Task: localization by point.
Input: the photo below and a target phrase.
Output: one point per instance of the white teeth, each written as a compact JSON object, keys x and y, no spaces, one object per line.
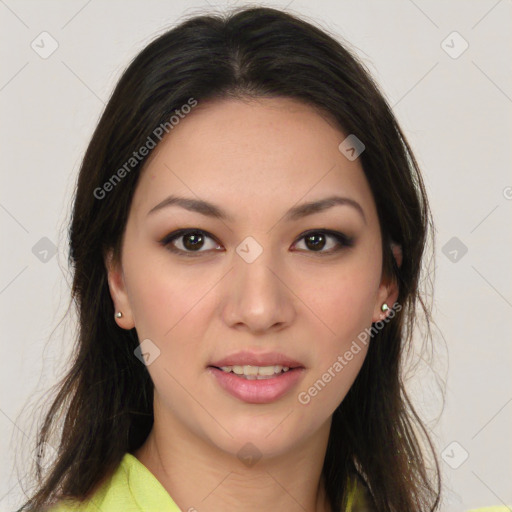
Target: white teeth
{"x":250,"y":370}
{"x":255,"y":372}
{"x":267,"y":370}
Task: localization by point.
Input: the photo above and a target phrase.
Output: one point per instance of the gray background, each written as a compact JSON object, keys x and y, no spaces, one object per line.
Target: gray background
{"x":455,"y":108}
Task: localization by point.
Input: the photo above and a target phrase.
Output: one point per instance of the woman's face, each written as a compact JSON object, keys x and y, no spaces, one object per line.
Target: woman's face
{"x":259,"y":283}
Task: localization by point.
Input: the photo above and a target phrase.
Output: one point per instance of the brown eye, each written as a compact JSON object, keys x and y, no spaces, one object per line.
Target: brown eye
{"x":193,"y":241}
{"x":316,"y":241}
{"x":188,"y":242}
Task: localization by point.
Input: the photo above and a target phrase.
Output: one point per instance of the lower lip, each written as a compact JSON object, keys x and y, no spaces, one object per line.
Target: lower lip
{"x":257,"y":391}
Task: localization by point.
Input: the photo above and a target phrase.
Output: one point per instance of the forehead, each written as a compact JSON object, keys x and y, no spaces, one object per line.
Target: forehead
{"x":252,"y":154}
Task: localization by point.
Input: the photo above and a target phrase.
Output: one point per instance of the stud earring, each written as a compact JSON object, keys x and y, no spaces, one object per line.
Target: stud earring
{"x":119,"y":314}
{"x":384,"y":307}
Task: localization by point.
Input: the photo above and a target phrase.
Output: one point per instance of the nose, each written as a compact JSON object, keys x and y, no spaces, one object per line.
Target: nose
{"x":257,"y":297}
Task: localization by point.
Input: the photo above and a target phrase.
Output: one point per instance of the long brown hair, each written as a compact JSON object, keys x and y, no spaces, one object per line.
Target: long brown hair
{"x":106,"y":397}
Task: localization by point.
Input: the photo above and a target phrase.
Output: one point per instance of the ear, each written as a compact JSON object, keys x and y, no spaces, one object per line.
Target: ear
{"x":118,"y":292}
{"x":388,"y":290}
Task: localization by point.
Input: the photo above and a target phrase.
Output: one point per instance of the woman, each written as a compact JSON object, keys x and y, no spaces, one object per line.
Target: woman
{"x":246,"y":239}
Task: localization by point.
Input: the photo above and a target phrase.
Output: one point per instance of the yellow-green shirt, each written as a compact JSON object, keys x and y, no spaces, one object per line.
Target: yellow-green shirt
{"x":133,"y":488}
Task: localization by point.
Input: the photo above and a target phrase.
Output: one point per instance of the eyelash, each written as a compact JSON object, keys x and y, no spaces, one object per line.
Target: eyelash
{"x":343,"y":240}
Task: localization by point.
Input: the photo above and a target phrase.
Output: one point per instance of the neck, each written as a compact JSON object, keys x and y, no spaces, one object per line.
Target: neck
{"x":200,"y":476}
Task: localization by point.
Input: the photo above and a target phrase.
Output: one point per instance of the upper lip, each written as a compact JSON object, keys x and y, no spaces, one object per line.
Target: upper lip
{"x":257,"y":359}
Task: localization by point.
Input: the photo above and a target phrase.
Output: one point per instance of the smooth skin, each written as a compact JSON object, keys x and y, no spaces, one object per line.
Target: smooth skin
{"x":254,"y":159}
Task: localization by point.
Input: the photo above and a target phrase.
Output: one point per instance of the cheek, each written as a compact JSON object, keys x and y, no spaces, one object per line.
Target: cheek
{"x":162,"y":298}
{"x":343,"y":298}
{"x":344,"y":307}
{"x":167,"y":307}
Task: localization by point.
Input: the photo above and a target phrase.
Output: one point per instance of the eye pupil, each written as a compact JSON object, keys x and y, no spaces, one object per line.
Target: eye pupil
{"x":315,"y":244}
{"x":196,"y":238}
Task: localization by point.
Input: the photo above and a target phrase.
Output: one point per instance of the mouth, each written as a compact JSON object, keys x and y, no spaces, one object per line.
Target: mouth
{"x":257,"y":378}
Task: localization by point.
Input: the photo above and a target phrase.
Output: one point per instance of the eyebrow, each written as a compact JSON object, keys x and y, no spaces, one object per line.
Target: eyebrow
{"x":297,"y":212}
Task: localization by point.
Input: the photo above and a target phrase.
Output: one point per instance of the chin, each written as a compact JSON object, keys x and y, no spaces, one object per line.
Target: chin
{"x":259,"y":436}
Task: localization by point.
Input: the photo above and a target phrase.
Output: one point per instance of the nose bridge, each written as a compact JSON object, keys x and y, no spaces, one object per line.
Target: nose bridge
{"x":252,"y":270}
{"x":257,"y":296}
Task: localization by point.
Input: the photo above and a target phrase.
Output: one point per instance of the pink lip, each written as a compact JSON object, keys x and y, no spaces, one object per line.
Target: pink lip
{"x":254,"y":359}
{"x":257,"y":391}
